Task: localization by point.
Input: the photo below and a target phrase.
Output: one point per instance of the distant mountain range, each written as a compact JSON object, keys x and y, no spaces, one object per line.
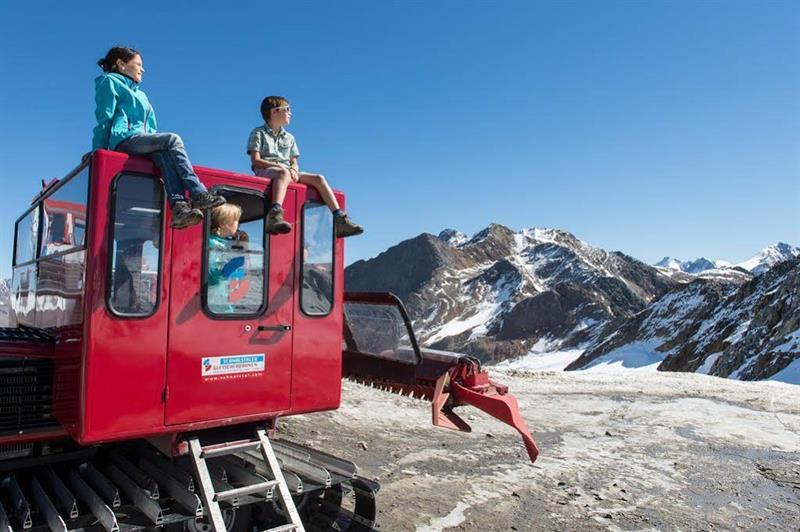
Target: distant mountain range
{"x":499,"y":293}
{"x":756,"y":265}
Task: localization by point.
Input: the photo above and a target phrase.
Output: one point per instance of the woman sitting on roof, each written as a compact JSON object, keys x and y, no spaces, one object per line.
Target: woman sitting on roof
{"x":126,"y":122}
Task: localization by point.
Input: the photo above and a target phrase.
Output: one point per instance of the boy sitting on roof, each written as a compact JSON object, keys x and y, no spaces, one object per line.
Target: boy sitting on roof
{"x":273,"y":154}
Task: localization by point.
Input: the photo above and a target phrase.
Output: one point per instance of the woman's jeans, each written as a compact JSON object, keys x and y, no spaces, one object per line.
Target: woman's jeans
{"x":167,"y":152}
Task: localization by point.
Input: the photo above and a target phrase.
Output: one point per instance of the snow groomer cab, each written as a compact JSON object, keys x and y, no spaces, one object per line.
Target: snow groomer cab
{"x":114,"y":336}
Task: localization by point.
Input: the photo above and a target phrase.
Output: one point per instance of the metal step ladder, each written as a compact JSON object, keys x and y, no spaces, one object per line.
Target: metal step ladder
{"x":212,"y":498}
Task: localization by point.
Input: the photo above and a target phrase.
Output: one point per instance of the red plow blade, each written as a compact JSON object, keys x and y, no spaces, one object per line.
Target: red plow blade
{"x":382,"y":350}
{"x":490,"y":397}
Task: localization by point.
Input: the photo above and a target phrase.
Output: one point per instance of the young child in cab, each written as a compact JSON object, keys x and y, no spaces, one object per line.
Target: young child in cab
{"x":126,"y":122}
{"x":224,"y":261}
{"x":273,"y":154}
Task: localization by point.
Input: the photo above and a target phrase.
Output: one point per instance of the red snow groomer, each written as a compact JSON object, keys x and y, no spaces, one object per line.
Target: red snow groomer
{"x":138,"y":390}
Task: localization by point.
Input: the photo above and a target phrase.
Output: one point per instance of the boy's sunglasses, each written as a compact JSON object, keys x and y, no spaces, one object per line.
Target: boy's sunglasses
{"x":286,"y":108}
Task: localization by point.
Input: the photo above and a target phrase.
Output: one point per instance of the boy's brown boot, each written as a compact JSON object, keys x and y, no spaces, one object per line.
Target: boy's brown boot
{"x":184,"y":216}
{"x":344,"y":227}
{"x":276,"y":225}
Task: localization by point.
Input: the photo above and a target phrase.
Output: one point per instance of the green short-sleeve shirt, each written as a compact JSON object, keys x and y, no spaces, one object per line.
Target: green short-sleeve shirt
{"x":278,"y":147}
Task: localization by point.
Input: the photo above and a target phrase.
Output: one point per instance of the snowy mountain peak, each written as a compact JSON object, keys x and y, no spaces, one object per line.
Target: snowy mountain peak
{"x":453,"y":238}
{"x":544,"y":234}
{"x":669,"y":263}
{"x":493,"y":231}
{"x":769,"y":257}
{"x":696,"y":266}
{"x":688,"y":266}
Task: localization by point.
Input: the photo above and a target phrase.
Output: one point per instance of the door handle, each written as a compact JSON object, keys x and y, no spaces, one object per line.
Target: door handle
{"x":281,"y":328}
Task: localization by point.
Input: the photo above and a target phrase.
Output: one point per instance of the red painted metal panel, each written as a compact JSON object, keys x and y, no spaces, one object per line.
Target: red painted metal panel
{"x":317,"y":373}
{"x":123,"y":367}
{"x":197,"y":339}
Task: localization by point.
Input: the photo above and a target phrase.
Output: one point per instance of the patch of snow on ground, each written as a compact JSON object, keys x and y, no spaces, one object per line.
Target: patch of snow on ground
{"x":790,"y":374}
{"x":735,"y":375}
{"x":706,"y":367}
{"x":549,"y":361}
{"x":633,"y":356}
{"x":454,"y":518}
{"x":543,"y":356}
{"x":723,"y":422}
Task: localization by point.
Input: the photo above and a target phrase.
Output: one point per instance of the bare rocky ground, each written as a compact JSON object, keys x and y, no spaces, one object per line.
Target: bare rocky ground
{"x":620,"y":451}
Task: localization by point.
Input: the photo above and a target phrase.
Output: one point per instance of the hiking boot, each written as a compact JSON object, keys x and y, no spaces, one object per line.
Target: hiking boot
{"x":344,"y":227}
{"x":206,"y":200}
{"x":276,"y":225}
{"x":184,"y":216}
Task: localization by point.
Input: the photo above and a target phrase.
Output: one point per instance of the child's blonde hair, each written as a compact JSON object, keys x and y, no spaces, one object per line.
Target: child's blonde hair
{"x":224,"y":214}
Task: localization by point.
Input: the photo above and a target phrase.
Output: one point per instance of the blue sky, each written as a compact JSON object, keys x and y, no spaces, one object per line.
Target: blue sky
{"x":654,"y":128}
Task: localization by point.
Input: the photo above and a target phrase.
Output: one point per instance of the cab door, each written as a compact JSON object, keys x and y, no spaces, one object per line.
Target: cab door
{"x":231,"y":314}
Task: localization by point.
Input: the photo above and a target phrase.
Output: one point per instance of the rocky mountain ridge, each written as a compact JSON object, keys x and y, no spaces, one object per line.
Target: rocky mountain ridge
{"x":748,"y":332}
{"x":499,"y":292}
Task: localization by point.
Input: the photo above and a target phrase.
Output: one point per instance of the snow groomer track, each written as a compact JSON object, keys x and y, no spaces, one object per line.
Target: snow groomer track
{"x":132,"y":487}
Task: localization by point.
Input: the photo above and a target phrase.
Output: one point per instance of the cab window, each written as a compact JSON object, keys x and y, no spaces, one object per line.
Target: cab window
{"x":64,"y":216}
{"x":27,"y":237}
{"x":380,"y":330}
{"x":135,"y":258}
{"x":316,"y":291}
{"x":235,"y":268}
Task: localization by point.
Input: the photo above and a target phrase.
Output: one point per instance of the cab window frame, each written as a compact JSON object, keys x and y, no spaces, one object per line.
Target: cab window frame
{"x":306,"y":204}
{"x":109,"y":277}
{"x":267,"y":250}
{"x":38,"y":205}
{"x":35,"y":207}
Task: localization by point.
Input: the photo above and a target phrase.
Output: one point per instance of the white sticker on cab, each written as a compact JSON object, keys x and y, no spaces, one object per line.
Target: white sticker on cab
{"x":232,"y":364}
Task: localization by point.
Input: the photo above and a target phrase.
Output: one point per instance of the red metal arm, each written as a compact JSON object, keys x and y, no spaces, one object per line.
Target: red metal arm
{"x":467,"y":384}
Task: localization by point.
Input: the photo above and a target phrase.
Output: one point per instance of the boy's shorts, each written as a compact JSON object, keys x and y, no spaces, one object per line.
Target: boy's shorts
{"x":272,"y":173}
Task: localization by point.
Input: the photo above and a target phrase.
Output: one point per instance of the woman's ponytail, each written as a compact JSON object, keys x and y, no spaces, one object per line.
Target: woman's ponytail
{"x":109,"y":62}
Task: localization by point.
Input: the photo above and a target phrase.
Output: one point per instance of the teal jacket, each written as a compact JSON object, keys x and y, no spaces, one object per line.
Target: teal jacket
{"x":122,"y":109}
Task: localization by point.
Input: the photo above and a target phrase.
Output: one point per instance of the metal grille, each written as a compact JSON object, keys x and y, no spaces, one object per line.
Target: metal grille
{"x":26,"y":395}
{"x":24,"y":334}
{"x":15,"y":450}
